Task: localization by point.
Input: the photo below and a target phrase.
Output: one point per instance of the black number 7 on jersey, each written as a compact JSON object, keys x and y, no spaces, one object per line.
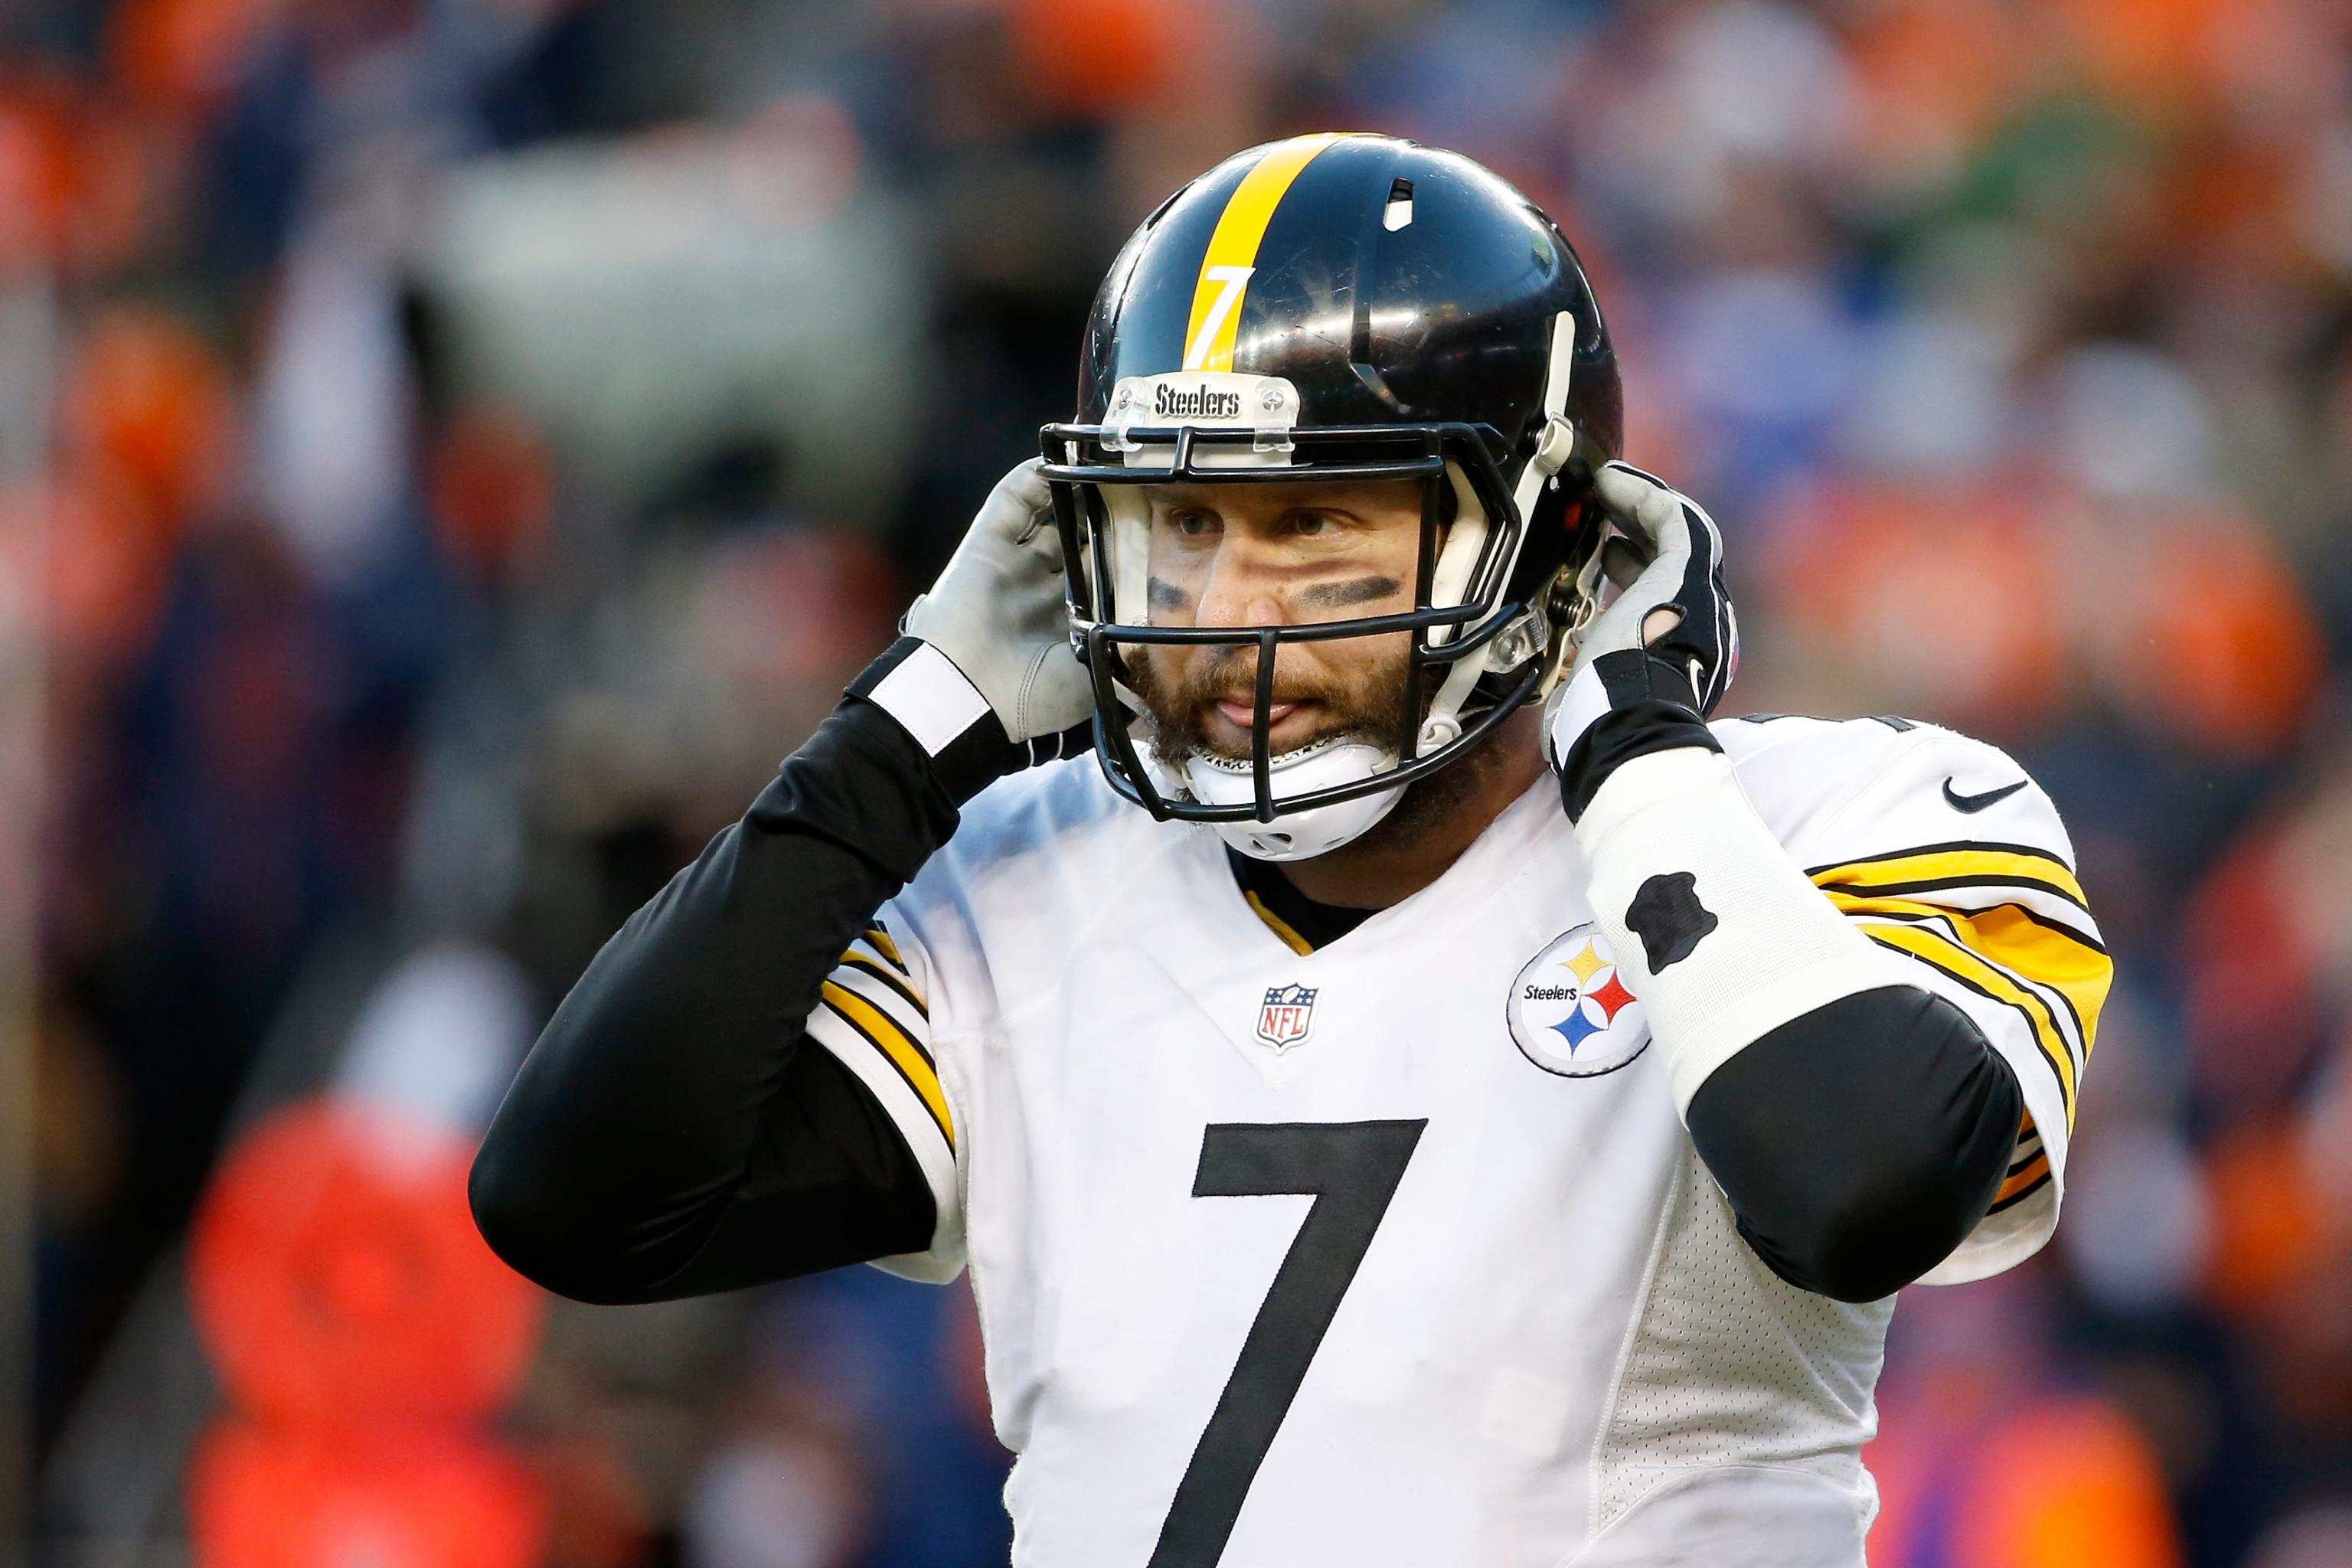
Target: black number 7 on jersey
{"x":1353,"y":1170}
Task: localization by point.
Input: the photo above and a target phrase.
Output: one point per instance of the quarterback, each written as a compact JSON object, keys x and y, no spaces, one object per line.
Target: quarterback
{"x":1409,"y":1089}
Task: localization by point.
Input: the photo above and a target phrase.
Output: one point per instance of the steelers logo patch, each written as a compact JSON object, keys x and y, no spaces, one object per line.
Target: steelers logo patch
{"x":1570,"y":1015}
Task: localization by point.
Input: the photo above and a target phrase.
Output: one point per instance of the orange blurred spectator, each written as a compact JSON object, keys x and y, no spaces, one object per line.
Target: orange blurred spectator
{"x":2269,"y":1226}
{"x":492,"y":487}
{"x":260,"y":1497}
{"x":337,"y":1277}
{"x":2157,"y":51}
{"x":2282,"y":1269}
{"x":2215,"y":643}
{"x":177,"y":57}
{"x":1935,"y":76}
{"x":73,"y":176}
{"x":2065,"y":1483}
{"x":150,"y":406}
{"x":363,"y":1330}
{"x":1102,"y":57}
{"x":1982,"y":1463}
{"x":1945,"y":602}
{"x":149,"y":427}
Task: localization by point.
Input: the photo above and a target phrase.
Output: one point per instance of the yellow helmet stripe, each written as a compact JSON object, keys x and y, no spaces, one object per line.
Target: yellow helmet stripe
{"x":1232,"y":256}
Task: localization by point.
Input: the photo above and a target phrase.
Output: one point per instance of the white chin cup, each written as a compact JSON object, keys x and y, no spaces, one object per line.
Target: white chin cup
{"x":1299,"y":835}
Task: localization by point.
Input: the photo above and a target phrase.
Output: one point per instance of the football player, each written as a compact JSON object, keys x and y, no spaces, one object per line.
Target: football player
{"x":1417,"y":1093}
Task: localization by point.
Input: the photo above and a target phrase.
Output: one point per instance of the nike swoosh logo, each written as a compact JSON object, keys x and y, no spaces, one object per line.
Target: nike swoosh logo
{"x":1978,"y":802}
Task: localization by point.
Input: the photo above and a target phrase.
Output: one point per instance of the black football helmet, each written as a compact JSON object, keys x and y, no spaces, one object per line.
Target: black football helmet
{"x":1343,"y":308}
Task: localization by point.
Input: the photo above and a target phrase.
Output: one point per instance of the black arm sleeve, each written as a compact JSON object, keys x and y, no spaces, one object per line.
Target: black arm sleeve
{"x":669,"y":1135}
{"x":1861,"y":1142}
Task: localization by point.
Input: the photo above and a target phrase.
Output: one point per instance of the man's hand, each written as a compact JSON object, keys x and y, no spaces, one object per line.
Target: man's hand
{"x":1674,"y":604}
{"x":999,"y":612}
{"x":1658,"y":659}
{"x":991,"y":640}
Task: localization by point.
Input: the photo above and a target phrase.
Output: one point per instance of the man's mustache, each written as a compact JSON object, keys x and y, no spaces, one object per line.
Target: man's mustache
{"x":1181,"y":711}
{"x":1215,"y":684}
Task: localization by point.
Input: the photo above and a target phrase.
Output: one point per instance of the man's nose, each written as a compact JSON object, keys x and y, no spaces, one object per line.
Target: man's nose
{"x":1241,"y":589}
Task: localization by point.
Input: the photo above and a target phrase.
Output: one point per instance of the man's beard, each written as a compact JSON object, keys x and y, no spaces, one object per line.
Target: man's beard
{"x":1370,"y":709}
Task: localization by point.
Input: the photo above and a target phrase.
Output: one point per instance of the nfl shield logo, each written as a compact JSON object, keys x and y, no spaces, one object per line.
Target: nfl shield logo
{"x":1288,"y":1014}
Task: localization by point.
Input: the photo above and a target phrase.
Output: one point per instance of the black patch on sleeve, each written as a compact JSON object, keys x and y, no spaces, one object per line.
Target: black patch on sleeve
{"x":1666,"y":915}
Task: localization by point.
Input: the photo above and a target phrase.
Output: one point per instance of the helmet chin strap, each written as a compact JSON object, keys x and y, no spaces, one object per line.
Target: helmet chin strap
{"x":1297,"y":834}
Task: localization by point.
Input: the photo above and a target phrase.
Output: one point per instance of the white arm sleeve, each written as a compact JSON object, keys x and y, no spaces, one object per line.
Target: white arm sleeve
{"x":1713,"y":926}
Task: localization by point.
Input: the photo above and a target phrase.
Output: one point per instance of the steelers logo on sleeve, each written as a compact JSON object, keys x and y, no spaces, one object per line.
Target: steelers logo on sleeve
{"x":1570,"y":1013}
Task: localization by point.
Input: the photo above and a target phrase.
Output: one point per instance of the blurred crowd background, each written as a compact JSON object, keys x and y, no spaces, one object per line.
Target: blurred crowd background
{"x":449,"y":449}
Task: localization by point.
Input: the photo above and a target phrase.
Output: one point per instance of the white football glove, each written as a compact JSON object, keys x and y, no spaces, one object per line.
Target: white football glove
{"x":999,"y":611}
{"x":991,"y":640}
{"x":1669,"y":559}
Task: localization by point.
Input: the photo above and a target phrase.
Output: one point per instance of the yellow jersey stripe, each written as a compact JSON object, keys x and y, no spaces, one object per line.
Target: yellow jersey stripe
{"x":914,"y":1064}
{"x":2019,"y":1196}
{"x":2080,"y":936}
{"x":2042,"y":951}
{"x":1232,"y":256}
{"x":879,"y":939}
{"x":855,"y":960}
{"x":1956,"y":866}
{"x":1280,"y":927}
{"x":2071,"y":1030}
{"x":1934,"y":948}
{"x":2035,"y":1169}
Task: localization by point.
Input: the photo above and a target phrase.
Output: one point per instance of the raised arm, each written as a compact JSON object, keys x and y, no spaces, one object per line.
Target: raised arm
{"x":674,"y":1131}
{"x":1859,"y":1123}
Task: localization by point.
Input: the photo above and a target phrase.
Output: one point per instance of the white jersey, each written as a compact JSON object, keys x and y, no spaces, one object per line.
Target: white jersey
{"x":1395,"y":1252}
